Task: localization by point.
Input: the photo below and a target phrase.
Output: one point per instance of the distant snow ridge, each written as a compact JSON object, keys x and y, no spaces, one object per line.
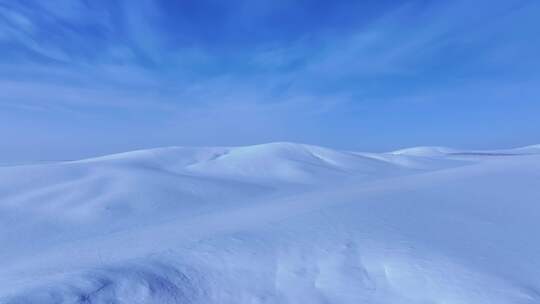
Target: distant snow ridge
{"x":291,"y":163}
{"x":534,"y":149}
{"x":273,"y":223}
{"x":426,"y":151}
{"x":274,"y":162}
{"x":443,"y":151}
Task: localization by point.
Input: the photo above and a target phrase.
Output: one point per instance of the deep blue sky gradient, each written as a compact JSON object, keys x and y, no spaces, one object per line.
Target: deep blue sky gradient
{"x":81,"y":78}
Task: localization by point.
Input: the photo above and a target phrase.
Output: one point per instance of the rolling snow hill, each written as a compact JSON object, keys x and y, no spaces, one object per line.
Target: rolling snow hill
{"x":273,"y":223}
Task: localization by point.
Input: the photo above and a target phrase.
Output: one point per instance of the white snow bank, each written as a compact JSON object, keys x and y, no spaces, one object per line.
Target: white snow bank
{"x":230,"y":225}
{"x":426,"y":151}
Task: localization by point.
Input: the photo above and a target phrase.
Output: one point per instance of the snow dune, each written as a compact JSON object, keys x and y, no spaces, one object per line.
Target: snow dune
{"x":273,"y":223}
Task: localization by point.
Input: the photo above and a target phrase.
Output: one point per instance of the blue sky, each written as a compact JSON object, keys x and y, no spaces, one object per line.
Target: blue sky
{"x":81,"y":78}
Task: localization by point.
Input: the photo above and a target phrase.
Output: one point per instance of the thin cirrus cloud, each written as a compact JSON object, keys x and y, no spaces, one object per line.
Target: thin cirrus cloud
{"x":371,"y":75}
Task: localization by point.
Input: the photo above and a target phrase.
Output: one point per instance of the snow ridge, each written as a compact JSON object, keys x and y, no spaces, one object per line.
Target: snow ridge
{"x":273,"y":223}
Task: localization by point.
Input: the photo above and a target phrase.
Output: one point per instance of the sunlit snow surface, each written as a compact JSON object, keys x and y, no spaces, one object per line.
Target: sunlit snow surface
{"x":274,"y":223}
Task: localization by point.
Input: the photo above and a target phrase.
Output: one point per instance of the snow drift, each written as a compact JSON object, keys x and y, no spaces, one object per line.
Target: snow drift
{"x":273,"y":223}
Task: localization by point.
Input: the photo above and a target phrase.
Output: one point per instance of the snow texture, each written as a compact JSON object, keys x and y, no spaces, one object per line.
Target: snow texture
{"x":273,"y":223}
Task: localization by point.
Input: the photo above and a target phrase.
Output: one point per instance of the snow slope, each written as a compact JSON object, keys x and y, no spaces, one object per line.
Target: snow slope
{"x":273,"y":223}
